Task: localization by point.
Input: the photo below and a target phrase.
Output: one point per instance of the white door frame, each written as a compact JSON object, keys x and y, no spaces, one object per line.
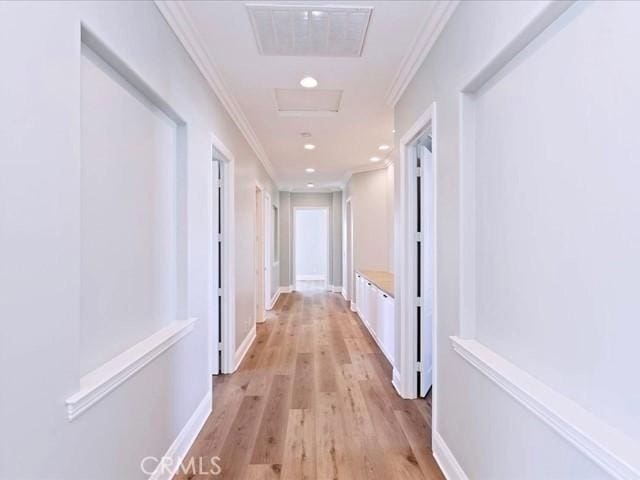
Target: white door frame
{"x":227,"y":323}
{"x":328,"y":240}
{"x":268,"y":248}
{"x":349,"y":266}
{"x":258,"y":297}
{"x":404,"y":377}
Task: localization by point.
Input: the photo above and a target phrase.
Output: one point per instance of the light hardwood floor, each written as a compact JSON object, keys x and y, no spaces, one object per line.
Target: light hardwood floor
{"x":313,"y":399}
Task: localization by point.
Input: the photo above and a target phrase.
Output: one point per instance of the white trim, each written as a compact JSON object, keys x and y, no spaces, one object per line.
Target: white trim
{"x":606,"y":446}
{"x":244,"y":347}
{"x":353,"y":306}
{"x":344,"y":294}
{"x":366,"y":168}
{"x":268,"y":248}
{"x":180,"y":22}
{"x":405,"y":260}
{"x":97,"y":384}
{"x":181,"y":445}
{"x":428,"y":33}
{"x":447,"y":462}
{"x":228,"y":261}
{"x":259,"y":306}
{"x":274,"y":300}
{"x":335,"y":288}
{"x":285,"y":289}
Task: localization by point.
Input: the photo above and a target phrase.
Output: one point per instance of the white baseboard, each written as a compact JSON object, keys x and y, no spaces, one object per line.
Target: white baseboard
{"x":244,"y":347}
{"x":396,"y":382}
{"x":184,"y":440}
{"x":344,"y":294}
{"x":450,"y":467}
{"x":273,"y":301}
{"x":335,"y":288}
{"x":310,"y":277}
{"x":288,"y":289}
{"x":353,"y":306}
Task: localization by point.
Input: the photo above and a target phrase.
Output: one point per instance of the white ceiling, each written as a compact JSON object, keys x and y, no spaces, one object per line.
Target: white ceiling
{"x":344,"y":141}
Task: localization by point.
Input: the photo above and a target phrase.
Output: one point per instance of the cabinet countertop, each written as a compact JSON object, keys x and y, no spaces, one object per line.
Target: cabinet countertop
{"x":382,"y":280}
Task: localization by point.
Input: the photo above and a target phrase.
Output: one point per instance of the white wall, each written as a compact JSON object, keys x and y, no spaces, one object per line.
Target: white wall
{"x":556,"y":251}
{"x":371,"y":195}
{"x":311,"y":235}
{"x":41,"y":182}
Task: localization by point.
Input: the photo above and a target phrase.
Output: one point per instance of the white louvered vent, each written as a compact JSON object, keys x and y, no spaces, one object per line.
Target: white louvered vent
{"x":299,"y":102}
{"x":307,"y":30}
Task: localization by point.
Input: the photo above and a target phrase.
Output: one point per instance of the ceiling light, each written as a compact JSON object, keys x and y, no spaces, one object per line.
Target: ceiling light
{"x":383,"y":147}
{"x":309,"y":82}
{"x":393,"y":131}
{"x":374,"y":159}
{"x":309,"y":146}
{"x":305,"y":134}
{"x":310,"y":185}
{"x":310,"y":170}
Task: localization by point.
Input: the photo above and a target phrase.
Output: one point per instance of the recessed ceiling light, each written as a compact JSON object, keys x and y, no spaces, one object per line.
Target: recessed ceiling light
{"x":393,"y":131}
{"x":383,"y":147}
{"x":310,"y":170}
{"x":309,"y":146}
{"x":310,"y":185}
{"x":309,"y":82}
{"x":374,"y":159}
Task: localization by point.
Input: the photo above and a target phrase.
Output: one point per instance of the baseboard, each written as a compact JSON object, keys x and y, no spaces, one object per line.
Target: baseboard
{"x":244,"y":347}
{"x":184,"y":440}
{"x":353,"y":306}
{"x":396,"y":382}
{"x":287,"y":289}
{"x":334,"y":288}
{"x":344,"y":294}
{"x":450,"y":467}
{"x":273,"y":301}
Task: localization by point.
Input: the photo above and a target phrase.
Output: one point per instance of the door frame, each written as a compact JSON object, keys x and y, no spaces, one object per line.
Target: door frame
{"x":268,"y":248}
{"x":227,"y":323}
{"x":405,"y":374}
{"x":259,"y":242}
{"x":329,"y":235}
{"x":349,"y":266}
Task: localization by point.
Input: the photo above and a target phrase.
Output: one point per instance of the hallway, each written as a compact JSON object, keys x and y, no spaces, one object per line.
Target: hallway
{"x":313,"y":399}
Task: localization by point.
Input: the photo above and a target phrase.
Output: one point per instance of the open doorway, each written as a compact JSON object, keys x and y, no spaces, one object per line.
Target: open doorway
{"x":416,"y":373}
{"x":350,"y":274}
{"x":222,"y":304}
{"x":311,"y":248}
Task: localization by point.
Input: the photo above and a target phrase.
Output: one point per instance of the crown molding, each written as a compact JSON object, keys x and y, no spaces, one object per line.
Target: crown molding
{"x":427,"y":35}
{"x":182,"y":25}
{"x":367,"y":168}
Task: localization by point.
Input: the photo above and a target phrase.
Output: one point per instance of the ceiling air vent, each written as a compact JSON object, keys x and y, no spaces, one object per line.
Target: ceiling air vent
{"x":307,"y":30}
{"x":307,"y":103}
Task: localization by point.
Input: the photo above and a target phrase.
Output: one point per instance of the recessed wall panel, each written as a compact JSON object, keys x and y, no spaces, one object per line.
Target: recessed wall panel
{"x":128,"y":202}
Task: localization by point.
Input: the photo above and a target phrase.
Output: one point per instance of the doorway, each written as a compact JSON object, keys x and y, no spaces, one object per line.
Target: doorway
{"x":259,"y":256}
{"x":349,"y":269}
{"x":222,"y":304}
{"x":416,"y":307}
{"x":311,"y":248}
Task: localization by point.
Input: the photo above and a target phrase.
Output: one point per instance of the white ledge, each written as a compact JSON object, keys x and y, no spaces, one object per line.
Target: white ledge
{"x":615,"y":452}
{"x":104,"y":379}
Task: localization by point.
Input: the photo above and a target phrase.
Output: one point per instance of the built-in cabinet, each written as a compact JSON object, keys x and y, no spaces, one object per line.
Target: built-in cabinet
{"x":375,"y":307}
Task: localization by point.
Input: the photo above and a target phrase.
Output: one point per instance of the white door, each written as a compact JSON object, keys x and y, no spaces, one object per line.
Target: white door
{"x":426,"y":270}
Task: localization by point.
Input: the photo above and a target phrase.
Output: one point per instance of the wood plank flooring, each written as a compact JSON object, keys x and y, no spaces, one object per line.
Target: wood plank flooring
{"x":313,"y":400}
